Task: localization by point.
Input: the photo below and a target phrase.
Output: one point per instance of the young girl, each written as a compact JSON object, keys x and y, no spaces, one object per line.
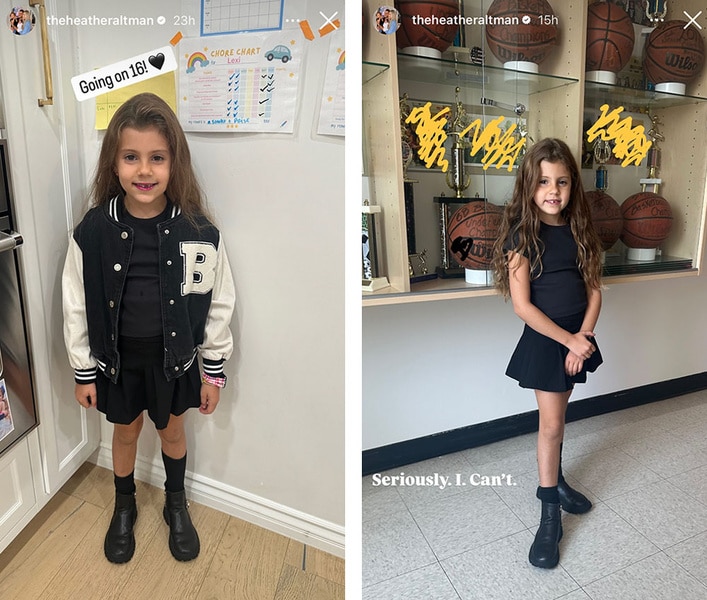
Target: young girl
{"x":548,"y":259}
{"x":146,"y":289}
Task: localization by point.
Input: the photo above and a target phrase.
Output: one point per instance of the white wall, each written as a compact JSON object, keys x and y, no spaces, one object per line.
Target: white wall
{"x":277,"y":437}
{"x":436,"y":366}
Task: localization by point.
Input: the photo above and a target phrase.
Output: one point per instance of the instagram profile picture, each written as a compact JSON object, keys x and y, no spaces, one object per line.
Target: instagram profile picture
{"x":21,"y":20}
{"x":387,"y":20}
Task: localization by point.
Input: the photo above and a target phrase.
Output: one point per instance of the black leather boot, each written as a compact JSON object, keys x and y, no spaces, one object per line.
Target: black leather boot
{"x":545,"y":551}
{"x":119,"y":545}
{"x":183,"y":539}
{"x":571,"y":500}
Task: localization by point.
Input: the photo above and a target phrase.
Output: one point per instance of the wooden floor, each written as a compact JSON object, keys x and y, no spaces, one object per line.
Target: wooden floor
{"x":59,"y":555}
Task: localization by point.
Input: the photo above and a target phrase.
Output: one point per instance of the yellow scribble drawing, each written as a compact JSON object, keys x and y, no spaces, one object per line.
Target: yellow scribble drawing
{"x":430,"y":130}
{"x":500,"y":146}
{"x":631,"y":143}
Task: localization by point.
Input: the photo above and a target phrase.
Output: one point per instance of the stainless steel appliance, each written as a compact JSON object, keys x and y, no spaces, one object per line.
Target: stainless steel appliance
{"x":18,"y":413}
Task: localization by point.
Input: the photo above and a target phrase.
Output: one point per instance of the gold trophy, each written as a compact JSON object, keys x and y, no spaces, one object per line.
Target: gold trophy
{"x":653,"y":158}
{"x":456,"y":178}
{"x":651,"y":183}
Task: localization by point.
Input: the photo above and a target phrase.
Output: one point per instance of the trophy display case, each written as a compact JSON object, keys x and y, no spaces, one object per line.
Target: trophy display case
{"x":467,"y":83}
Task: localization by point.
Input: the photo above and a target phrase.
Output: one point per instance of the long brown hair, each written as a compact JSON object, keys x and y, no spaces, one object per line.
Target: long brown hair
{"x":521,"y":219}
{"x":142,"y":112}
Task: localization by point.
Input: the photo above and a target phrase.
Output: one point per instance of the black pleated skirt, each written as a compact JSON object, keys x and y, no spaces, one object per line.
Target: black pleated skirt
{"x":142,"y":385}
{"x":538,"y":362}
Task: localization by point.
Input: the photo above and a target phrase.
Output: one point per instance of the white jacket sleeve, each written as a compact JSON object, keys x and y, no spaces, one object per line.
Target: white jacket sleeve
{"x":75,"y":323}
{"x":218,"y":340}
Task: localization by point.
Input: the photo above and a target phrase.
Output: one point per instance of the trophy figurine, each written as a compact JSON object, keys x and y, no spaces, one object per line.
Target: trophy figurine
{"x":656,"y":10}
{"x":602,"y":153}
{"x":372,"y":278}
{"x":459,"y":181}
{"x":653,"y":158}
{"x":456,"y":178}
{"x":652,"y":215}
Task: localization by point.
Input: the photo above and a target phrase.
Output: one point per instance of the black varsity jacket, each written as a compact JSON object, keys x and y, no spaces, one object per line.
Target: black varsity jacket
{"x":197,"y":294}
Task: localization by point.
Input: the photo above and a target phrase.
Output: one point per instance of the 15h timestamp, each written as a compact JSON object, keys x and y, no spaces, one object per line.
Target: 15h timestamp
{"x":540,"y":20}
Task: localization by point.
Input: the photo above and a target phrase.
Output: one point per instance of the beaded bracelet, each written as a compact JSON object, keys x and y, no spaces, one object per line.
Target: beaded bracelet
{"x":219,"y":382}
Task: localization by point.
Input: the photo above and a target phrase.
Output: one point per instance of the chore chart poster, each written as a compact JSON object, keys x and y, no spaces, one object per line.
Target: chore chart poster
{"x":239,"y":83}
{"x":331,"y":113}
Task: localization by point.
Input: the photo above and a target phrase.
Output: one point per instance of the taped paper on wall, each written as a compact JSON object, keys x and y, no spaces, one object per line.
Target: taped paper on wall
{"x":231,"y":16}
{"x":331,"y":113}
{"x":163,"y":85}
{"x":239,"y":83}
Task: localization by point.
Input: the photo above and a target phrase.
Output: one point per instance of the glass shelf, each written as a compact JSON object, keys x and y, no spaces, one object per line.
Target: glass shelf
{"x":371,"y":70}
{"x":596,"y":94}
{"x":444,"y":285}
{"x":620,"y":265}
{"x":616,"y":265}
{"x":445,"y":71}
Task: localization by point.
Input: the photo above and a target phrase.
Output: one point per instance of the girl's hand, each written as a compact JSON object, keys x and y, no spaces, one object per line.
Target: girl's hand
{"x":580,"y":345}
{"x":85,"y":394}
{"x":210,"y":396}
{"x":573,"y":364}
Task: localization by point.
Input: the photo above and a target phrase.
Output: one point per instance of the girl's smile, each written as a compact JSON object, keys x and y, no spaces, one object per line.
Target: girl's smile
{"x":143,"y":165}
{"x":553,"y":192}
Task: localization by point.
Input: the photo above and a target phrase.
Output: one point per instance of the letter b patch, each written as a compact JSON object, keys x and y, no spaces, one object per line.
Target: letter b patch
{"x":199,"y":267}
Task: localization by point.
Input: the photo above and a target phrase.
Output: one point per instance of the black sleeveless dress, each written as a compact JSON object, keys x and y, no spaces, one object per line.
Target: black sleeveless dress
{"x":538,"y":362}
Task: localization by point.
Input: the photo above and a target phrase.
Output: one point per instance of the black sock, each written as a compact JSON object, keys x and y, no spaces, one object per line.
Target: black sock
{"x":125,"y":485}
{"x":175,"y":469}
{"x":548,"y":494}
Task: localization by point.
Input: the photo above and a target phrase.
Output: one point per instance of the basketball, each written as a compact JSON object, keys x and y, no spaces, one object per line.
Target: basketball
{"x":606,"y":217}
{"x":610,"y":37}
{"x":673,"y":54}
{"x":647,"y":220}
{"x":471,"y":233}
{"x":511,"y":38}
{"x":428,"y":24}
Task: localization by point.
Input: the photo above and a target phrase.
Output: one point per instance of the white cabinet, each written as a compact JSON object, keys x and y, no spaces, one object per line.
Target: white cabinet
{"x":47,"y":174}
{"x":18,"y":502}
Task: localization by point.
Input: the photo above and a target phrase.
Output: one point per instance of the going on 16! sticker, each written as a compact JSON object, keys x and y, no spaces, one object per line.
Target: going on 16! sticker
{"x":124,"y":73}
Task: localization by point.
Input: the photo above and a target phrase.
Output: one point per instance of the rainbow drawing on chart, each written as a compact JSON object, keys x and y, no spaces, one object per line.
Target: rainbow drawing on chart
{"x":341,"y":65}
{"x":196,"y":58}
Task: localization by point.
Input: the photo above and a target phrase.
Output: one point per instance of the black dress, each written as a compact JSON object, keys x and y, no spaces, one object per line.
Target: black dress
{"x":538,"y":362}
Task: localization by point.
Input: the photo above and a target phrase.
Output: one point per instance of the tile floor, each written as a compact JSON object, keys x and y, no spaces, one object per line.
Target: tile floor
{"x":645,"y":469}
